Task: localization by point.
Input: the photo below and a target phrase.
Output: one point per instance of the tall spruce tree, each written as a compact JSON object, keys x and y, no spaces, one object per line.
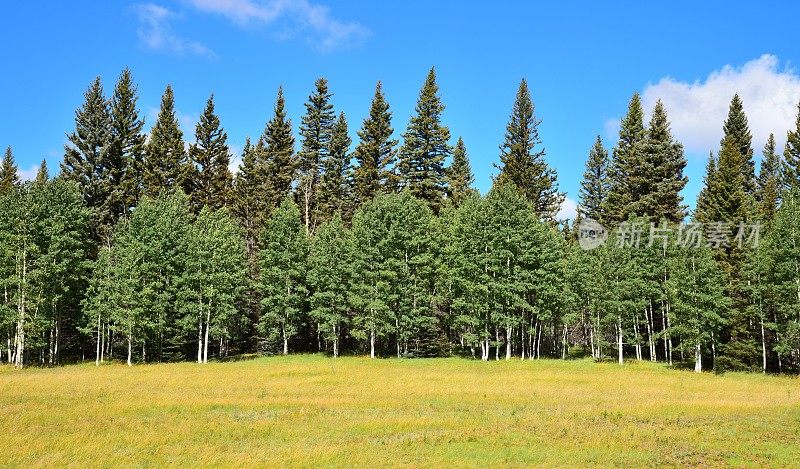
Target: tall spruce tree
{"x":128,"y":140}
{"x":658,"y":179}
{"x":375,"y":152}
{"x":595,"y":184}
{"x":42,"y":174}
{"x":87,"y":160}
{"x":316,"y":130}
{"x":459,"y":175}
{"x":522,"y":160}
{"x":769,"y":181}
{"x":425,"y":147}
{"x":703,"y":207}
{"x":335,"y":186}
{"x":736,"y":128}
{"x":626,"y":158}
{"x":211,"y":179}
{"x":791,"y":156}
{"x":166,"y":167}
{"x":9,"y":177}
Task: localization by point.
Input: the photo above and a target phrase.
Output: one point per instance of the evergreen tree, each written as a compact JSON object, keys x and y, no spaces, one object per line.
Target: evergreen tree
{"x":375,"y":154}
{"x":127,"y":146}
{"x":284,"y":254}
{"x":522,"y":161}
{"x":769,"y":181}
{"x":316,"y":130}
{"x":626,"y":159}
{"x":166,"y":167}
{"x":9,"y":177}
{"x":275,"y":151}
{"x":335,"y":186}
{"x":658,"y":179}
{"x":211,"y":179}
{"x":425,"y":147}
{"x":87,"y":161}
{"x":459,"y":175}
{"x":595,"y":184}
{"x":702,"y":210}
{"x":330,"y":276}
{"x":791,"y":156}
{"x":42,"y":174}
{"x":737,"y":130}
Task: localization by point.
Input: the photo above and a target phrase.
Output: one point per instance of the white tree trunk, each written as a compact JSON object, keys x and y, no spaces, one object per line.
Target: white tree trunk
{"x":508,"y":343}
{"x":205,"y":339}
{"x":698,"y":359}
{"x":130,"y":350}
{"x":619,"y":339}
{"x":763,"y":349}
{"x":372,"y":343}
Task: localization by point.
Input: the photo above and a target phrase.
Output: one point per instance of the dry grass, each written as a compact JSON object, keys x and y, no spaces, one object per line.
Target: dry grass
{"x":305,"y":411}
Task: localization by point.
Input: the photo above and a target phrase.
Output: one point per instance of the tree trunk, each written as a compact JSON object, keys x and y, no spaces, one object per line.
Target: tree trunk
{"x":763,"y":349}
{"x":130,"y":349}
{"x":205,"y":339}
{"x":508,"y":343}
{"x":698,"y":358}
{"x":372,"y":343}
{"x":619,"y":339}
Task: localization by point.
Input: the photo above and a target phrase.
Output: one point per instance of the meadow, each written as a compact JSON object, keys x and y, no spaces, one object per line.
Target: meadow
{"x":312,"y":411}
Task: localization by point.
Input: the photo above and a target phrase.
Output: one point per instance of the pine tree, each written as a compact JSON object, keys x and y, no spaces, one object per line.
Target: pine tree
{"x":211,"y":179}
{"x":769,"y":181}
{"x":522,"y":161}
{"x":87,"y":162}
{"x":330,"y":276}
{"x":275,"y":151}
{"x":658,"y":179}
{"x":9,"y":177}
{"x":166,"y":167}
{"x":626,"y":158}
{"x":43,"y":174}
{"x":128,"y":141}
{"x":791,"y":156}
{"x":737,"y":129}
{"x":425,"y":147}
{"x":595,"y":184}
{"x":459,"y":175}
{"x":316,"y":130}
{"x":703,"y":207}
{"x":375,"y":153}
{"x":335,"y":185}
{"x":284,"y":254}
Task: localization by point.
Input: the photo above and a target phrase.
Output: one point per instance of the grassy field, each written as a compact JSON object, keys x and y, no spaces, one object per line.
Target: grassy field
{"x":304,"y":411}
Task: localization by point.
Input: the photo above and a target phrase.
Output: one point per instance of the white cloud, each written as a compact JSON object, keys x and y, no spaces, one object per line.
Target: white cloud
{"x":28,"y":174}
{"x":155,"y":32}
{"x":611,"y":129}
{"x":235,"y":152}
{"x":298,"y":17}
{"x":697,"y":110}
{"x":568,"y":211}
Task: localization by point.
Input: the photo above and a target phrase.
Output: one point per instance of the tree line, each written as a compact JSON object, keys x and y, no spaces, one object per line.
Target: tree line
{"x":148,"y":248}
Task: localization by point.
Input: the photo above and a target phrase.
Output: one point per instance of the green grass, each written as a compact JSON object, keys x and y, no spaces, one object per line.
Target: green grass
{"x":354,"y":412}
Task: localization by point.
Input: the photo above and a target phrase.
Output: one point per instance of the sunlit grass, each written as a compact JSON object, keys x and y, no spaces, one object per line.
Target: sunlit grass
{"x":318,"y":411}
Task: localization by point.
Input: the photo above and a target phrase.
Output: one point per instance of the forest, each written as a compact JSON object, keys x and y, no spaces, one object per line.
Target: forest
{"x":147,"y":247}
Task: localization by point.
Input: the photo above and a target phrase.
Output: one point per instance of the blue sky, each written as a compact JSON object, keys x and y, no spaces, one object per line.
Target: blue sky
{"x":582,"y":61}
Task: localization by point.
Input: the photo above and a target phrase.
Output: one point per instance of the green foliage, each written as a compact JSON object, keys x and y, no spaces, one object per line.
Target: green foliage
{"x":9,"y":177}
{"x":283,"y":264}
{"x":330,"y":276}
{"x":335,"y":187}
{"x":127,"y":144}
{"x":316,"y":131}
{"x":166,"y":166}
{"x":522,"y":161}
{"x":211,"y":180}
{"x":595,"y":184}
{"x":459,"y":175}
{"x":738,"y":132}
{"x":791,"y":154}
{"x":375,"y":153}
{"x":425,"y":147}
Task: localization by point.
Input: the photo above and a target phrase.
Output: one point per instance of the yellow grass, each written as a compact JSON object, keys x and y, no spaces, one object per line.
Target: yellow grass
{"x":305,"y":411}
